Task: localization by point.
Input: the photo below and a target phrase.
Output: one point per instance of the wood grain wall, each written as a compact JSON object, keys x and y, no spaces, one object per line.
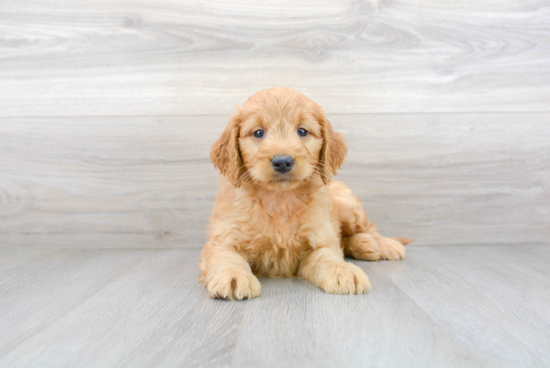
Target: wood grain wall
{"x":108,"y":109}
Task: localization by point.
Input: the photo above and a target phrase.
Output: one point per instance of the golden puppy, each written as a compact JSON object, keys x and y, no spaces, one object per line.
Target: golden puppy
{"x":278,"y":213}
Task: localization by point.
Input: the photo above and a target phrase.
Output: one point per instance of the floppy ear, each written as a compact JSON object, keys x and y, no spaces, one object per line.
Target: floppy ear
{"x":225,"y":152}
{"x":333,"y":151}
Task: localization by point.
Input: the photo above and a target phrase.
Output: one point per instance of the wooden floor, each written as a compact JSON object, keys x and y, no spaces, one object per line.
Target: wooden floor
{"x":446,"y":306}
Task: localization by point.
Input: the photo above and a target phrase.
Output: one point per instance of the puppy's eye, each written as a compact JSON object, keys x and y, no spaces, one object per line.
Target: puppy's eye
{"x":302,"y":132}
{"x":259,"y":133}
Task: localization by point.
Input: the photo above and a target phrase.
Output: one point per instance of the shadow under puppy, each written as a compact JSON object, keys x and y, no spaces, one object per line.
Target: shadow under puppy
{"x":278,"y":213}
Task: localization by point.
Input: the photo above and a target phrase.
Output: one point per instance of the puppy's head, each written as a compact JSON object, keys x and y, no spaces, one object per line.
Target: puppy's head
{"x":278,"y":140}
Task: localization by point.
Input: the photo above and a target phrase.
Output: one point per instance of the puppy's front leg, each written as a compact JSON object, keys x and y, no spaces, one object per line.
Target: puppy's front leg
{"x":326,"y":268}
{"x":227,"y":274}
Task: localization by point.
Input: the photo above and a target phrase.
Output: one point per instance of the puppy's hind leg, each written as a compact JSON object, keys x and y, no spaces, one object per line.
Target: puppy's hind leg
{"x":372,"y":247}
{"x":391,"y":249}
{"x":361,"y":246}
{"x":360,"y":239}
{"x":356,"y":240}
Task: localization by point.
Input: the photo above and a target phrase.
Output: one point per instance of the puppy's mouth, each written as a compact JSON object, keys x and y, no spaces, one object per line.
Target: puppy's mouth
{"x":283,"y":178}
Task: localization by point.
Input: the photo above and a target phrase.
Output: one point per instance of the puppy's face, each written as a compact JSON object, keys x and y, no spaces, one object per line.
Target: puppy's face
{"x":280,"y":149}
{"x":278,"y":140}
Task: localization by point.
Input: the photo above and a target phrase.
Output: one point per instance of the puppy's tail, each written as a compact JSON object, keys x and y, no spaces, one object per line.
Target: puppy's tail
{"x":403,"y":241}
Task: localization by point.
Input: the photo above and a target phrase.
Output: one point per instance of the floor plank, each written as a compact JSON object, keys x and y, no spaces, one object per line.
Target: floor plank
{"x":447,"y":306}
{"x":113,"y":57}
{"x":301,"y":326}
{"x":155,"y":314}
{"x":486,"y":289}
{"x":16,"y":257}
{"x":38,"y":292}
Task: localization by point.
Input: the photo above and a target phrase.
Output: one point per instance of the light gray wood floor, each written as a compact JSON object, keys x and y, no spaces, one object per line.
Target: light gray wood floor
{"x":446,"y":306}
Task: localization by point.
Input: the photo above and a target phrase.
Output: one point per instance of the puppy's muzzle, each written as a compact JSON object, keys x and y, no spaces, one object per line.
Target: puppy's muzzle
{"x":282,"y":164}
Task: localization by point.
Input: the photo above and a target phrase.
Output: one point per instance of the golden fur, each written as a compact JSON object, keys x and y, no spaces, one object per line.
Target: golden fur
{"x":299,"y":223}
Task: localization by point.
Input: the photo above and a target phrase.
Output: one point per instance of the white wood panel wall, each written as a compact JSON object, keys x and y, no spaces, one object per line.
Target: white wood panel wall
{"x":148,"y":181}
{"x":130,"y":57}
{"x":108,"y":109}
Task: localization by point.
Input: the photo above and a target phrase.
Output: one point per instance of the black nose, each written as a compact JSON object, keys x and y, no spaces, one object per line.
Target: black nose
{"x":282,"y":163}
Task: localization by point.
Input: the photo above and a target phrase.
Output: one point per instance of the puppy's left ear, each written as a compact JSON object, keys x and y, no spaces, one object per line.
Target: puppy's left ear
{"x":333,"y":152}
{"x":225,"y":154}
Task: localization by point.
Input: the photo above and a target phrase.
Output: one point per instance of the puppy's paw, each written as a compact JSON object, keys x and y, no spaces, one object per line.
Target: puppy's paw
{"x":391,"y":249}
{"x":362,"y":246}
{"x":345,"y":278}
{"x":234,"y":285}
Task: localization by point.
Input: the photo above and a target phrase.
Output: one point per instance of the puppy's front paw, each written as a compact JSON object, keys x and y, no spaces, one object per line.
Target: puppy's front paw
{"x":234,"y":286}
{"x":391,"y":249}
{"x":345,"y":278}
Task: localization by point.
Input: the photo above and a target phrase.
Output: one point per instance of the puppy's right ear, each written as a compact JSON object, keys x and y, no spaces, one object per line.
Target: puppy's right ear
{"x":225,"y":152}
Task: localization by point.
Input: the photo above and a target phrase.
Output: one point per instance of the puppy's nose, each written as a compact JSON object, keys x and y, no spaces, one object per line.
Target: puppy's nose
{"x":282,"y":163}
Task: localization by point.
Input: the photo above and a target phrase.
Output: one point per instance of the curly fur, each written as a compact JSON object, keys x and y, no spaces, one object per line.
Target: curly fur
{"x":301,"y":223}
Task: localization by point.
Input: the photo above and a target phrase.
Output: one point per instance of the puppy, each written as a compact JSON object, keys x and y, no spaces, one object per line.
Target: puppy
{"x":278,"y":213}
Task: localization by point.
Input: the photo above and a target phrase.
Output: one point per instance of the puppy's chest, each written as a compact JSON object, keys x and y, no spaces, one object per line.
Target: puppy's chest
{"x":276,"y":247}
